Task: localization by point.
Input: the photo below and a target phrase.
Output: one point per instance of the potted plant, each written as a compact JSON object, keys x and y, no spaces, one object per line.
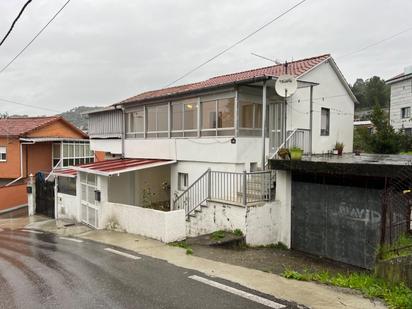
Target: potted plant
{"x":339,"y":148}
{"x":296,"y":153}
{"x":284,"y":153}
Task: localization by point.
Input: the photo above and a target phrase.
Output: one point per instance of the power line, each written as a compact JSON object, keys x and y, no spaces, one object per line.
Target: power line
{"x":29,"y":105}
{"x":35,"y":37}
{"x":376,"y":43}
{"x":236,"y":43}
{"x":14,"y":22}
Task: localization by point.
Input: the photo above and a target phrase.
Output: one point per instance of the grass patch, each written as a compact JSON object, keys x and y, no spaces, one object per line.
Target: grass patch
{"x":183,"y":245}
{"x":409,"y":153}
{"x":218,"y":235}
{"x":238,"y":232}
{"x":401,"y":247}
{"x":397,"y":296}
{"x":189,"y":251}
{"x":278,"y":246}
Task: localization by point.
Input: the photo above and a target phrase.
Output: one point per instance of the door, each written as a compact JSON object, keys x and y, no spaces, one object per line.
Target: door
{"x":275,"y":126}
{"x":89,"y":208}
{"x":44,"y":196}
{"x":340,"y":222}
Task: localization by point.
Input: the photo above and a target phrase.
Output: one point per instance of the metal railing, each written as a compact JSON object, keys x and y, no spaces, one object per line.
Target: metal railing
{"x":233,"y":187}
{"x":295,"y":138}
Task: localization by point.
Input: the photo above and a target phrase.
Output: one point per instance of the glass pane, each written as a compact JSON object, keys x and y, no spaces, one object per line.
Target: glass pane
{"x":246,"y":114}
{"x":87,"y":150}
{"x":258,"y":116}
{"x":84,"y":194}
{"x":177,"y":116}
{"x":65,"y":150}
{"x":71,"y":150}
{"x":56,"y":151}
{"x":84,"y":213}
{"x":137,"y":121}
{"x":162,"y":118}
{"x":65,"y":162}
{"x":81,"y":150}
{"x":83,"y":177}
{"x":226,"y":113}
{"x":151,"y":118}
{"x":209,"y":115}
{"x":190,"y":116}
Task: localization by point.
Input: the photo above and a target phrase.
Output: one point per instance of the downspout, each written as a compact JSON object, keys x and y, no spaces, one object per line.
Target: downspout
{"x":21,"y":163}
{"x":264,"y":104}
{"x":117,"y":107}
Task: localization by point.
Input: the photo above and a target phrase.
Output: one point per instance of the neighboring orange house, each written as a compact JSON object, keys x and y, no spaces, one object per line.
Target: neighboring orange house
{"x":32,"y":144}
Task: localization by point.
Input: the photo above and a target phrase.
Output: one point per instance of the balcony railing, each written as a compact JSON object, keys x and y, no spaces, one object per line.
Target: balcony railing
{"x":230,"y":187}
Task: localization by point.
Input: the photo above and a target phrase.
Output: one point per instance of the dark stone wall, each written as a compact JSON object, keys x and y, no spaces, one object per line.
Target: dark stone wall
{"x":396,"y":270}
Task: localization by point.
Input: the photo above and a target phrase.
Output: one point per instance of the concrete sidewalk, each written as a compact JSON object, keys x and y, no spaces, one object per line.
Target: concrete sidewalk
{"x":309,"y":294}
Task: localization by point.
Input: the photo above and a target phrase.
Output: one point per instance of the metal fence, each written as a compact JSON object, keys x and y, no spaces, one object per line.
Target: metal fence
{"x":233,"y":187}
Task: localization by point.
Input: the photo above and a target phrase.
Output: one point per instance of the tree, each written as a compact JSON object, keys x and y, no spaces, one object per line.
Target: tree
{"x":384,"y":139}
{"x":371,"y":92}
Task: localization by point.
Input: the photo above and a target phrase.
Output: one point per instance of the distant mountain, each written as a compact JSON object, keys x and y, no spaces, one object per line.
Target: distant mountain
{"x":75,"y":116}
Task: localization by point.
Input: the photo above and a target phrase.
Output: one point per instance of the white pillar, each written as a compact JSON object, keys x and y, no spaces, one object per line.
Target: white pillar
{"x":264,"y":104}
{"x":284,"y":195}
{"x":31,"y":198}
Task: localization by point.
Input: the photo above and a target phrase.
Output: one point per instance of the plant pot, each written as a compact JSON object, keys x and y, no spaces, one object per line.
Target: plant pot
{"x":296,"y":154}
{"x":340,"y":151}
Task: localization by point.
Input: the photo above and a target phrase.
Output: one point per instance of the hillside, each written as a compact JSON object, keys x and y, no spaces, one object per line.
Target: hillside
{"x":74,"y":116}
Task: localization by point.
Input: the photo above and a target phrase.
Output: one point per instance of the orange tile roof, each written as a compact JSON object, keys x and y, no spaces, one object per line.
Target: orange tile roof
{"x":297,"y":68}
{"x":23,"y":125}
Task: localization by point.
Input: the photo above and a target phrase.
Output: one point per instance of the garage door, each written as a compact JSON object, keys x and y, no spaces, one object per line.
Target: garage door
{"x":340,"y":222}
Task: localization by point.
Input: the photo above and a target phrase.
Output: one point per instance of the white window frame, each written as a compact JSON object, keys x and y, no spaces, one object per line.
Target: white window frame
{"x":327,"y":131}
{"x":217,"y":129}
{"x":3,"y":151}
{"x":406,"y":112}
{"x":182,"y":181}
{"x":157,"y":133}
{"x":185,"y":132}
{"x":86,"y":157}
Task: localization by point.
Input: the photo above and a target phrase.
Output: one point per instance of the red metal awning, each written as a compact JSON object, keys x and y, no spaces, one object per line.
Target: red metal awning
{"x":65,"y":172}
{"x":118,"y":166}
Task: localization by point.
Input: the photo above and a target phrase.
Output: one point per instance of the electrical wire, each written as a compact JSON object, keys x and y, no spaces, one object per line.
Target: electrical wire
{"x":35,"y":37}
{"x":29,"y":105}
{"x":374,"y":44}
{"x":14,"y":22}
{"x":236,"y":43}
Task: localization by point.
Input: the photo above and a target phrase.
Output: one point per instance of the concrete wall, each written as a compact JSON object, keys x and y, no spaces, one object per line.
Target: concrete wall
{"x":163,"y":226}
{"x":401,"y":96}
{"x":67,"y":206}
{"x":261,"y":224}
{"x":107,"y":145}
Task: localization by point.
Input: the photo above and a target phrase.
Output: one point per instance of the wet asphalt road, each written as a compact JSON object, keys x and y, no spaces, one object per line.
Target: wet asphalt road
{"x":45,"y":271}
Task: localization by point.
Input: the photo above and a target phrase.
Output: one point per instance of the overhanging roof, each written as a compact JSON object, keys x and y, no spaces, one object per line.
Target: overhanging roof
{"x":119,"y":166}
{"x":65,"y":172}
{"x":52,"y":139}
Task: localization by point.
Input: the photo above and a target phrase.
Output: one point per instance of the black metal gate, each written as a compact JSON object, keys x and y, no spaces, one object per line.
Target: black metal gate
{"x":337,"y":217}
{"x":44,"y":196}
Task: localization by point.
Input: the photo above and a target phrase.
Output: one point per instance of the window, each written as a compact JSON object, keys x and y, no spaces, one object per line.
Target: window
{"x":88,"y":185}
{"x":157,"y":121}
{"x":324,"y":121}
{"x":3,"y":154}
{"x":406,"y":112}
{"x":183,"y":181}
{"x":184,"y":118}
{"x":135,"y":123}
{"x":72,"y":153}
{"x":408,"y":131}
{"x":250,"y":115}
{"x":67,"y":185}
{"x":218,"y":117}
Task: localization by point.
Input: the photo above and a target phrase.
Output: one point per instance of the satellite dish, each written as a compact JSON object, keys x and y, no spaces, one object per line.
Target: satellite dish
{"x":286,"y":85}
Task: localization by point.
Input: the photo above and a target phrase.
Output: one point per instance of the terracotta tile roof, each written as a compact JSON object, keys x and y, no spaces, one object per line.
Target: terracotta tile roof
{"x":21,"y":126}
{"x":297,"y":68}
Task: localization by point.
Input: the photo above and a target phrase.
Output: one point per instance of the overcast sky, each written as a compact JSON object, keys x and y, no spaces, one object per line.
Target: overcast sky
{"x":98,"y":52}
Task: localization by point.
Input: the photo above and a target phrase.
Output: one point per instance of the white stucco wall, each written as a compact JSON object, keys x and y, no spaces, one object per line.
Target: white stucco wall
{"x":401,"y":96}
{"x":67,"y":206}
{"x":261,"y":224}
{"x":113,"y":146}
{"x":330,"y":93}
{"x":163,"y":226}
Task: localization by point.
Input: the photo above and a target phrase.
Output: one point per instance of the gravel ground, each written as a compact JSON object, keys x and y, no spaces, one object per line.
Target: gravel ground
{"x":267,"y":259}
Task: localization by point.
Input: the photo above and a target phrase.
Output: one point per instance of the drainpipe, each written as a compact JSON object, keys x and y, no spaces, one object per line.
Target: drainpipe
{"x":264,"y":99}
{"x":311,"y":121}
{"x":123,"y":128}
{"x":21,"y":163}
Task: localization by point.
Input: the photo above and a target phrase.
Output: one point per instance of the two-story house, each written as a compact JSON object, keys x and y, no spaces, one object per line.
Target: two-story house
{"x":178,"y":147}
{"x":36,"y":144}
{"x":401,"y":101}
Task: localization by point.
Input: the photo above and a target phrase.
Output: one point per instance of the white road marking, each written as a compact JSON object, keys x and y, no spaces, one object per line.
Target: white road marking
{"x":255,"y":298}
{"x":130,"y":256}
{"x":71,"y":239}
{"x":31,"y":231}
